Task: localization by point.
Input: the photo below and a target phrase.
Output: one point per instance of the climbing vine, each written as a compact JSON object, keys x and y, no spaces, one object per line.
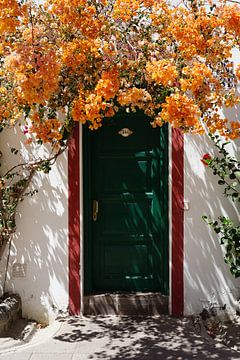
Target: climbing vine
{"x":227,"y":169}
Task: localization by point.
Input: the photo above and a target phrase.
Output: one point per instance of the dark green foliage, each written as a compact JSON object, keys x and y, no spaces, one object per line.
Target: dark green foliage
{"x":227,"y":169}
{"x":229,"y":235}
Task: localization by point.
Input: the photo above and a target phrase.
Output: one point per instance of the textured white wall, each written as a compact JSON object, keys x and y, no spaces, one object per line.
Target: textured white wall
{"x":41,"y":240}
{"x":206,"y":276}
{"x":42,"y":229}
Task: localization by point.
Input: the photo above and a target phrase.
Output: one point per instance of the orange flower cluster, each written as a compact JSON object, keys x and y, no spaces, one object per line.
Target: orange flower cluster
{"x":231,"y":18}
{"x":162,"y":72}
{"x":10,"y":11}
{"x":94,"y":57}
{"x":78,"y":109}
{"x":108,"y":85}
{"x":234,"y":133}
{"x":47,"y":130}
{"x":134,"y":97}
{"x":216,"y":123}
{"x":125,"y":10}
{"x":238,"y":72}
{"x":35,"y":73}
{"x":94,"y":106}
{"x":77,"y":14}
{"x":181,"y":112}
{"x":186,"y":31}
{"x":5,"y":112}
{"x":161,"y":16}
{"x":92,"y":109}
{"x":194,"y":76}
{"x":78,"y":54}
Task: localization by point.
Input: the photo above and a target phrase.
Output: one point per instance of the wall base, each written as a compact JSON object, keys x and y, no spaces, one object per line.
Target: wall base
{"x":10,"y":311}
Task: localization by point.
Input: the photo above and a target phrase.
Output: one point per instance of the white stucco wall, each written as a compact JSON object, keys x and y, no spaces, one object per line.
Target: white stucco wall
{"x":40,"y":241}
{"x":206,"y":276}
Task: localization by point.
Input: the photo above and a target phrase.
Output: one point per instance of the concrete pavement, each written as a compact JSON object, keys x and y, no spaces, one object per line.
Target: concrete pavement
{"x":123,"y":338}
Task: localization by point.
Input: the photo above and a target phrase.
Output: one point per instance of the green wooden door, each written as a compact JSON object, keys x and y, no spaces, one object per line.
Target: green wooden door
{"x":126,"y":244}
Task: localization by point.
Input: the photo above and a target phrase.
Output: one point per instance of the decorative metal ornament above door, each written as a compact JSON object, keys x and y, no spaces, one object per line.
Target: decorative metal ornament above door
{"x":125,"y":132}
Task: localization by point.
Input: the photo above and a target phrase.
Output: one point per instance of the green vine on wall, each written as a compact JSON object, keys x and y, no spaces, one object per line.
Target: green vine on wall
{"x":227,"y":168}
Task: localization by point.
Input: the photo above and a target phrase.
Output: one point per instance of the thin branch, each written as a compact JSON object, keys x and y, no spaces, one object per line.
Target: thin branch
{"x":29,"y":165}
{"x":7,"y":264}
{"x":234,"y":1}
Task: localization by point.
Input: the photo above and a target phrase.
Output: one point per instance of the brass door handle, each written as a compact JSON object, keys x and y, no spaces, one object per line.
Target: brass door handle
{"x":95,"y":210}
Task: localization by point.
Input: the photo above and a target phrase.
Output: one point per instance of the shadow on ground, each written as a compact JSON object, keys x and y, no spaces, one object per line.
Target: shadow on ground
{"x":140,"y":338}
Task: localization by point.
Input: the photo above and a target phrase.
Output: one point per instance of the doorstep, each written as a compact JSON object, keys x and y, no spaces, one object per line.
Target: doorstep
{"x":126,"y":304}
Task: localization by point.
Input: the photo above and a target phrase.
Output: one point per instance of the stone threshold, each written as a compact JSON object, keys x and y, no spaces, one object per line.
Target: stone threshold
{"x":126,"y":304}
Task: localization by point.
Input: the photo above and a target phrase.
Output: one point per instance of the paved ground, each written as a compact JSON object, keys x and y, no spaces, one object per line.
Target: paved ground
{"x":142,"y":338}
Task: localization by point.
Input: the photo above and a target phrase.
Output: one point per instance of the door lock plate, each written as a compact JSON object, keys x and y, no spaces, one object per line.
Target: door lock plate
{"x":95,"y":210}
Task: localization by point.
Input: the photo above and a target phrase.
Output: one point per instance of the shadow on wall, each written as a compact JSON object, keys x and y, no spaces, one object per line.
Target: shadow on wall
{"x":207,"y":277}
{"x":38,"y":263}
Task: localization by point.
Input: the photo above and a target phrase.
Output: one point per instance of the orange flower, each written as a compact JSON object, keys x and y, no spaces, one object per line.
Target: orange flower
{"x":108,"y":86}
{"x":238,"y":72}
{"x":162,"y":72}
{"x":35,"y":73}
{"x":125,"y":10}
{"x":45,"y":130}
{"x":195,"y":76}
{"x":180,"y":111}
{"x":231,"y":18}
{"x":234,"y":132}
{"x":10,"y":10}
{"x":134,"y":97}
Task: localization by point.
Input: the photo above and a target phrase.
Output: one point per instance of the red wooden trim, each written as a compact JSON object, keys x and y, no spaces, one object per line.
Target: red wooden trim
{"x":177,"y":222}
{"x":74,"y":223}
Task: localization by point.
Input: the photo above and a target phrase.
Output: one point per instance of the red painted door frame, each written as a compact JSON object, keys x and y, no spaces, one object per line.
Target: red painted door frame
{"x":74,"y":278}
{"x":177,"y":290}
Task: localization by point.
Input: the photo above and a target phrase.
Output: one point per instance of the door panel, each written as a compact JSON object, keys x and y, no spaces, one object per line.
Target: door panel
{"x":127,"y":246}
{"x":133,"y":177}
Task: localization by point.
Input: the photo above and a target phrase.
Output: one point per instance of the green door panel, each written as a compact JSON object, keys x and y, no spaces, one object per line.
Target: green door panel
{"x":126,"y":248}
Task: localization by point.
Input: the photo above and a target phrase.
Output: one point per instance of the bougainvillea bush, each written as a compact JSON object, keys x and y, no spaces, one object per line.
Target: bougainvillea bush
{"x":88,"y":59}
{"x":69,"y":61}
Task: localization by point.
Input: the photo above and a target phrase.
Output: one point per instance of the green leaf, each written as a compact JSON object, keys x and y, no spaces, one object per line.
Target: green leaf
{"x":14,"y":151}
{"x":232,"y":176}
